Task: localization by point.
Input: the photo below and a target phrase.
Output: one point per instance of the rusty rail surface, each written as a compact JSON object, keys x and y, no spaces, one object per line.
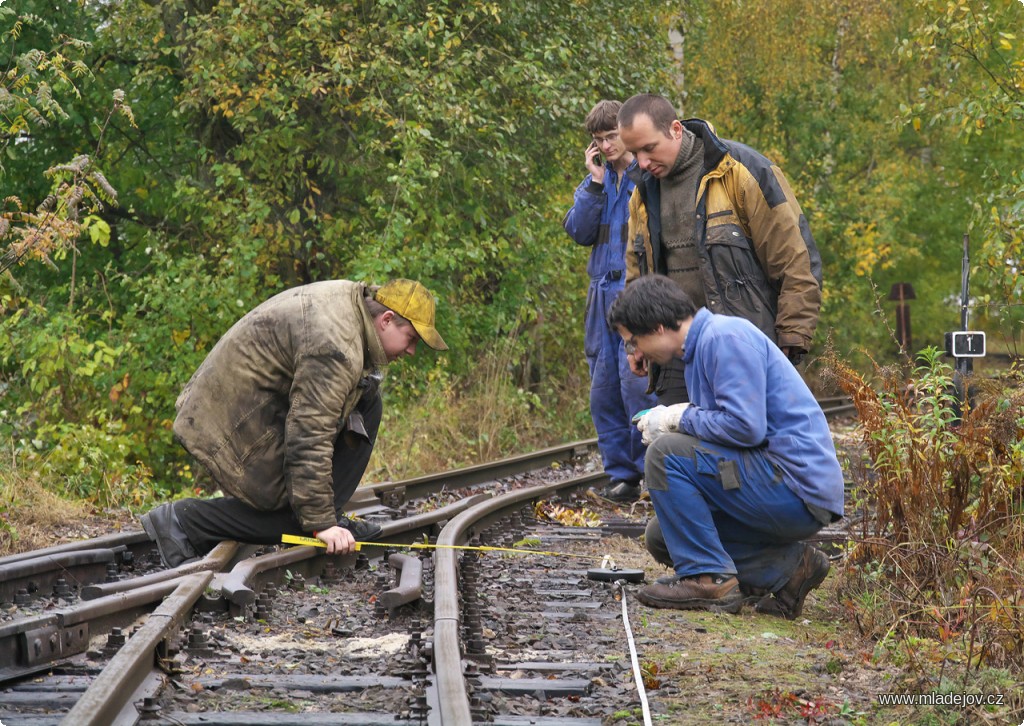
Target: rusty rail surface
{"x":452,"y":701}
{"x":113,"y":690}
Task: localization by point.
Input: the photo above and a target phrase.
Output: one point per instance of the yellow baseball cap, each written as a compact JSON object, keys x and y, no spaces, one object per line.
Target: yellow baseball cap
{"x":413,"y":302}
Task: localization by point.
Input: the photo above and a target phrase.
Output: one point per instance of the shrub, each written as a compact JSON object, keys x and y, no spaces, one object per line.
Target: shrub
{"x":937,"y":554}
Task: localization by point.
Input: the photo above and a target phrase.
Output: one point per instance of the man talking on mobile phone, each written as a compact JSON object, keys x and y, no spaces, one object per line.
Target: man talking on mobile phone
{"x":598,"y":220}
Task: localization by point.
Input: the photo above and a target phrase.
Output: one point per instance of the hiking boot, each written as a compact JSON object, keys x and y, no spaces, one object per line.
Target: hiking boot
{"x":162,"y":526}
{"x":718,"y":593}
{"x":754,"y":595}
{"x":788,"y":602}
{"x":362,"y":531}
{"x":624,"y":492}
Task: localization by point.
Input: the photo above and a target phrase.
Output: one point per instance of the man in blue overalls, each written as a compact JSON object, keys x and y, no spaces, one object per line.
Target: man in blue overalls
{"x":742,"y":474}
{"x":598,"y":219}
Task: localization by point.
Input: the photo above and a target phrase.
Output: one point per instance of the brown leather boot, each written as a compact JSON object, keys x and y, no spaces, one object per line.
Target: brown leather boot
{"x":788,"y":602}
{"x":718,"y":593}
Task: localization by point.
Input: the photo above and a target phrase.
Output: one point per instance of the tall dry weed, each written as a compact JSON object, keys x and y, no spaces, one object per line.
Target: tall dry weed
{"x":938,"y":554}
{"x":30,"y":511}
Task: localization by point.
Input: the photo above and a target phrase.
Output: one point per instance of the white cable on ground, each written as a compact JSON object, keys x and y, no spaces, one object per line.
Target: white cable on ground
{"x":637,"y":675}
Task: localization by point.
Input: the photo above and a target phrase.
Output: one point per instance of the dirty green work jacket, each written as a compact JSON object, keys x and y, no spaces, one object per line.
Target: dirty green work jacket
{"x":263,"y":410}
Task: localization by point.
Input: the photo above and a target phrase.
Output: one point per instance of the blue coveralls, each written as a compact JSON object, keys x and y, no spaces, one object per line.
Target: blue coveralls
{"x":752,"y":471}
{"x":598,"y":219}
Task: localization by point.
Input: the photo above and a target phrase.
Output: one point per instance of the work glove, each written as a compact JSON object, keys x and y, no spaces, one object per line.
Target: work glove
{"x":661,"y":420}
{"x":794,"y":353}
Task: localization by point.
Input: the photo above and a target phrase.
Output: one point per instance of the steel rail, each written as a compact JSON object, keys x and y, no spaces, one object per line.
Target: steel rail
{"x":410,"y":583}
{"x":33,"y":644}
{"x":452,"y":696}
{"x":216,"y":560}
{"x":112,"y":691}
{"x":238,"y":585}
{"x":839,"y":409}
{"x":394,"y":493}
{"x":826,"y":401}
{"x":43,"y":573}
{"x":107,"y":541}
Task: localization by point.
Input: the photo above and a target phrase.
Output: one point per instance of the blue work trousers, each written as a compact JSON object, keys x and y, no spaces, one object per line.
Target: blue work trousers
{"x":616,"y":394}
{"x":726,"y":510}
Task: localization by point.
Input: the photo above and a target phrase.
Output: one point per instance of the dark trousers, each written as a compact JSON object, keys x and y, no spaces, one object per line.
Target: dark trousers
{"x":207,"y":522}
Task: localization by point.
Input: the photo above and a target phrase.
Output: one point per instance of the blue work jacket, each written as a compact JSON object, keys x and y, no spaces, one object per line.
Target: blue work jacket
{"x":599,"y":219}
{"x":746,"y":394}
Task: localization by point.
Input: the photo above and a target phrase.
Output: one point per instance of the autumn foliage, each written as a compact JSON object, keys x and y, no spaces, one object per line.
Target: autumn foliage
{"x":936,"y":555}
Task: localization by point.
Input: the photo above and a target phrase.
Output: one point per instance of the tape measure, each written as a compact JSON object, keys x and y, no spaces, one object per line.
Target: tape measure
{"x":313,"y":542}
{"x":607,"y":571}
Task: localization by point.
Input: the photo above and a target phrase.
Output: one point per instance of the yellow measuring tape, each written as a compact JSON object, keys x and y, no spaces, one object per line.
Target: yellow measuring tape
{"x":313,"y":542}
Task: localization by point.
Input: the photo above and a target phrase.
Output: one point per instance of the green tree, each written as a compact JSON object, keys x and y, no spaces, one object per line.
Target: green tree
{"x":283,"y":142}
{"x":977,"y":54}
{"x":31,"y":86}
{"x":817,"y":88}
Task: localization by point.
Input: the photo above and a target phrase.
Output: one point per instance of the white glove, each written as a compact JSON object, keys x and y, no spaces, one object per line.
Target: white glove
{"x":661,"y":420}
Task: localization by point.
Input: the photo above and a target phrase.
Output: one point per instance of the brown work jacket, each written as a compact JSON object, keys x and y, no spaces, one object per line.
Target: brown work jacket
{"x":757,"y":257}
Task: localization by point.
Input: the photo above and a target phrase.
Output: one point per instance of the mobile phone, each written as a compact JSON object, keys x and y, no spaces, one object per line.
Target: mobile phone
{"x":596,"y":159}
{"x":639,"y":415}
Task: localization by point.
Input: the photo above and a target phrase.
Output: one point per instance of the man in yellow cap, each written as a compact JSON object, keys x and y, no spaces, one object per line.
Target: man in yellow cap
{"x":283,"y":414}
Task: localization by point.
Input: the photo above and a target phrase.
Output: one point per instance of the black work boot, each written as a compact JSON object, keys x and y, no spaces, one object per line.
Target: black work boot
{"x":624,"y":492}
{"x":718,"y":593}
{"x":362,"y":531}
{"x":788,"y":602}
{"x":162,"y":526}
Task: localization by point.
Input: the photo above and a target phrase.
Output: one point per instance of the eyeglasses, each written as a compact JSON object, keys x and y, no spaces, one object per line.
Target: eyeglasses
{"x":609,"y":137}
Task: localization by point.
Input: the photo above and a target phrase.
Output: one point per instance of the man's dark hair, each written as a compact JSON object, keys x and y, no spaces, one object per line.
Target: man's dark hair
{"x":602,"y":117}
{"x":648,"y":302}
{"x":657,"y":108}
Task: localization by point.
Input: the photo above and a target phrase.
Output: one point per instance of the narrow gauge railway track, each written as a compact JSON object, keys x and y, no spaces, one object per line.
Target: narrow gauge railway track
{"x":102,"y":670}
{"x":72,"y":630}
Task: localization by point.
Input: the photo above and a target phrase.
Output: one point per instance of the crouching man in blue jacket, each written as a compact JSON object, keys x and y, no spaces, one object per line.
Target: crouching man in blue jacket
{"x":741,"y":474}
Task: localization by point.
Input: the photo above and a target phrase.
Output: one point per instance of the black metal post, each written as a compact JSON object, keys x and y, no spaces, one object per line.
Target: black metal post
{"x":964,"y":365}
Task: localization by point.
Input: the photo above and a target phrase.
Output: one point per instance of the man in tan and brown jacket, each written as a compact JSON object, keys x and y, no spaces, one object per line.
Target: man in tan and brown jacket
{"x":721,"y":220}
{"x":283,"y":414}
